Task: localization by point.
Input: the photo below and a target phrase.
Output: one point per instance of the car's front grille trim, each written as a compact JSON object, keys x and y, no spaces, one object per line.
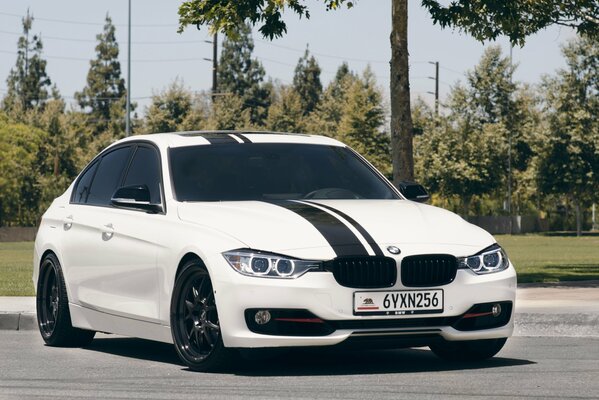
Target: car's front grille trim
{"x":428,"y":270}
{"x":364,"y":272}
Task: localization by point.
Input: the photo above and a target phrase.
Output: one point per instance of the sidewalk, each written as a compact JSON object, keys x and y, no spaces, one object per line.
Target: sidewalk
{"x":565,"y":309}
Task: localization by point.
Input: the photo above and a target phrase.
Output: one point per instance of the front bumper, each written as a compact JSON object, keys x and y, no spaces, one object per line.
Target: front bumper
{"x":319,"y":294}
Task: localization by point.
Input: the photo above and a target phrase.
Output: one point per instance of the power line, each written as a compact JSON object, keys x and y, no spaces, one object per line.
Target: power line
{"x":66,"y":39}
{"x":72,"y":22}
{"x":115,"y":98}
{"x":338,"y":57}
{"x":140,"y":60}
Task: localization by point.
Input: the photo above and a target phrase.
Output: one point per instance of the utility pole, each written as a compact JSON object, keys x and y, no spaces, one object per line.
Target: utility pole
{"x":214,"y":66}
{"x":128,"y":112}
{"x":436,"y":78}
{"x":509,"y":162}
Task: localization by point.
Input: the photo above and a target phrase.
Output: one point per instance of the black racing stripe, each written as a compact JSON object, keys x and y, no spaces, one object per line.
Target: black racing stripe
{"x":215,"y":138}
{"x":242,"y":137}
{"x":340,"y":237}
{"x":369,"y":239}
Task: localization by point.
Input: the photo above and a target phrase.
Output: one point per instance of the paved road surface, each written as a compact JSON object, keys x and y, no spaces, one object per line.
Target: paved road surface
{"x":115,"y":367}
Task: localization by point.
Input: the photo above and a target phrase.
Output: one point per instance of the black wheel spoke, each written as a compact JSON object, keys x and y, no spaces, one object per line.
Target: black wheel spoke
{"x":190,"y":306}
{"x":212,"y":326}
{"x":209,"y":338}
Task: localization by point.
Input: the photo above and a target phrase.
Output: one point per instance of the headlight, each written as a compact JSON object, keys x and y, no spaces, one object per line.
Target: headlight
{"x":491,"y":259}
{"x":254,"y":263}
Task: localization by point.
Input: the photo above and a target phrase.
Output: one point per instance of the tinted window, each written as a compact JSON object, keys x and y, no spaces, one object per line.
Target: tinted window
{"x":108,"y":176}
{"x":83,"y":185}
{"x":272,"y":171}
{"x":145,"y":170}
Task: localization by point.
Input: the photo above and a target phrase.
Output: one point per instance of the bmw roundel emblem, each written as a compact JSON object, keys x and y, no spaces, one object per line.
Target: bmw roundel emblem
{"x":393,"y":250}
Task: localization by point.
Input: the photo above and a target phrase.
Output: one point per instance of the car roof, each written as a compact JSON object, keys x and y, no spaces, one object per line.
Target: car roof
{"x":193,"y":138}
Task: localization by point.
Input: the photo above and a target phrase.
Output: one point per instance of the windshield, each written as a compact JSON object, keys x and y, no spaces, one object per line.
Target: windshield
{"x":273,"y":171}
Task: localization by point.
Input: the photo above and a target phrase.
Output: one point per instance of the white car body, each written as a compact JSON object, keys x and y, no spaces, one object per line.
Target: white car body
{"x":120,"y":265}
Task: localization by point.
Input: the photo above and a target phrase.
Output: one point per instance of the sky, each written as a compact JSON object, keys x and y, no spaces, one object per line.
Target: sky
{"x":159,"y":54}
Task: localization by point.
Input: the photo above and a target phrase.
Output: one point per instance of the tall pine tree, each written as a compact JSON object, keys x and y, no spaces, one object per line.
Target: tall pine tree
{"x":28,"y":81}
{"x":104,"y":95}
{"x":241,"y":75}
{"x":306,"y":82}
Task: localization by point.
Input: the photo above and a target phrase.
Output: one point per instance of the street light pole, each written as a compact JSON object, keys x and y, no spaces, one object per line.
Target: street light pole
{"x":128,"y":112}
{"x":509,"y":162}
{"x":214,"y":65}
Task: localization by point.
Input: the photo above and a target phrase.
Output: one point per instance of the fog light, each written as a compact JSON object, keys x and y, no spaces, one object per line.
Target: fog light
{"x":262,"y":317}
{"x":496,"y":310}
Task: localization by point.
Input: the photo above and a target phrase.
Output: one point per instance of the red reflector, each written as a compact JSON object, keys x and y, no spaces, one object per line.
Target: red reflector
{"x":305,"y":320}
{"x":474,"y":315}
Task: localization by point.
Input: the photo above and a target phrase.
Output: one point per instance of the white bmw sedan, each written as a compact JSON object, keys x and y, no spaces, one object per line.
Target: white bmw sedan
{"x":219,"y":241}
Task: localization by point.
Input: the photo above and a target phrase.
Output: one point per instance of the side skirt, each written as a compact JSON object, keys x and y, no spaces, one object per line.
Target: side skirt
{"x":86,"y":318}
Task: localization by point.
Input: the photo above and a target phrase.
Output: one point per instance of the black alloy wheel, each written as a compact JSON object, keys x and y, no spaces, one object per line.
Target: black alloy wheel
{"x":52,"y":303}
{"x":194,"y":321}
{"x":48,"y":298}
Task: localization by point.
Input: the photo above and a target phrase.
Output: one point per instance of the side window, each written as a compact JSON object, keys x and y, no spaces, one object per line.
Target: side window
{"x":82,"y":189}
{"x":108,"y":176}
{"x":145,"y":170}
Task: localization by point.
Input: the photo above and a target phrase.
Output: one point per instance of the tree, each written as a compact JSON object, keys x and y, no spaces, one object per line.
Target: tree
{"x":489,"y":102}
{"x":168,"y":109}
{"x":28,"y":81}
{"x":286,"y":113}
{"x":228,"y":112}
{"x":326,"y":117}
{"x":489,"y":19}
{"x":484,"y":19}
{"x":306,"y":82}
{"x":104,"y":95}
{"x":242,"y":75}
{"x":351,"y":110}
{"x":19,"y":171}
{"x":362,"y":120}
{"x":460,"y":163}
{"x":569,"y":164}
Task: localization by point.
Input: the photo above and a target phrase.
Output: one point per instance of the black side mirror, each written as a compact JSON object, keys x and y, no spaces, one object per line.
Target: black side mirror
{"x":413,"y":191}
{"x":136,"y":197}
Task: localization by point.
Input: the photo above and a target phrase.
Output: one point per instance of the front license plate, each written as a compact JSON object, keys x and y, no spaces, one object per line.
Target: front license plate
{"x":398,"y":302}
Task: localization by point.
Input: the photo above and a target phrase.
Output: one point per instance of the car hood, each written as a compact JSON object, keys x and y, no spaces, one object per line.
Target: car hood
{"x":325,"y":229}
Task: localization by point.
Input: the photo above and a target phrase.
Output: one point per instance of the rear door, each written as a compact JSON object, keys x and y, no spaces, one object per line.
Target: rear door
{"x":111,"y":252}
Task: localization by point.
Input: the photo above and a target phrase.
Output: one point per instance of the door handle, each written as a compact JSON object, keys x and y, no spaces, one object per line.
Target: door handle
{"x":68,"y":223}
{"x":107,"y":232}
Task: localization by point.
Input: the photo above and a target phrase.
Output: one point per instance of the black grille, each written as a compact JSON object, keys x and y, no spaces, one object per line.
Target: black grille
{"x":428,"y":270}
{"x":363,"y":272}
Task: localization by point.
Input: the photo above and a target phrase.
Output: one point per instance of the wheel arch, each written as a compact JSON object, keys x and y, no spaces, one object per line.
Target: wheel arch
{"x":185,"y":259}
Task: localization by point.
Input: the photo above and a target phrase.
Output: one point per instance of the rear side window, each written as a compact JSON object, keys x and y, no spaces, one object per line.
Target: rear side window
{"x":145,"y":170}
{"x":83,"y":186}
{"x":108,"y":176}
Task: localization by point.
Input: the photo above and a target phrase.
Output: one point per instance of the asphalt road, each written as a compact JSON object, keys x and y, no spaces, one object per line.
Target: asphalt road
{"x":124,"y":368}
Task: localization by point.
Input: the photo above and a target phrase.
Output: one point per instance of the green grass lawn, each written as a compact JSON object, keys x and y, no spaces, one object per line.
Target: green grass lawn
{"x":538,"y":258}
{"x":553,"y":258}
{"x":16,"y":268}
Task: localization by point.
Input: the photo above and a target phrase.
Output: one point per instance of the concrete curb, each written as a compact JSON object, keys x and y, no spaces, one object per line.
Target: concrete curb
{"x":18,"y":321}
{"x":527,"y":324}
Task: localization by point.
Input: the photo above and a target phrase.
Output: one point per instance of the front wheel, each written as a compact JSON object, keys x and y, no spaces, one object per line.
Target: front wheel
{"x":194,"y":321}
{"x":469,"y":350}
{"x":52,"y":303}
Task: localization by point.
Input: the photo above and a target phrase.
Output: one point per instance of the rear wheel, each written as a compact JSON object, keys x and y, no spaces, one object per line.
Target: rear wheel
{"x":470,"y":350}
{"x":194,"y":321}
{"x":52,"y":303}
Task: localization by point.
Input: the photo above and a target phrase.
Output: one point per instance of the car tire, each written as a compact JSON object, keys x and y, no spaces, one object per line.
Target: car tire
{"x":194,"y":321}
{"x":52,"y":305}
{"x":471,"y":350}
